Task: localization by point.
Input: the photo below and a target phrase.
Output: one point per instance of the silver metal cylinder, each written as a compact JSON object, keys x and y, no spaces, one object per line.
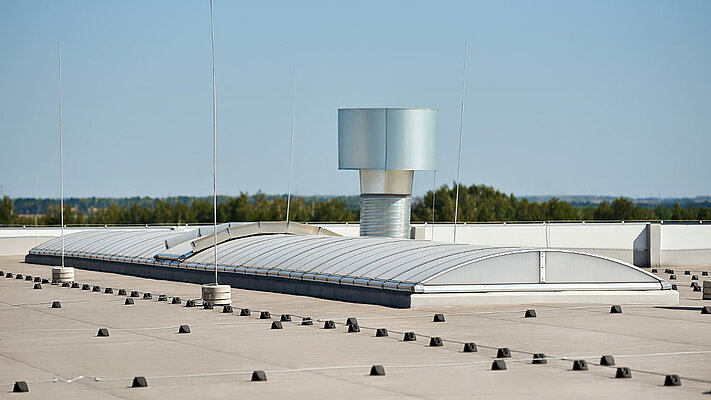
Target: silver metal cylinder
{"x":385,"y":201}
{"x":385,"y":215}
{"x":377,"y":181}
{"x":386,"y":145}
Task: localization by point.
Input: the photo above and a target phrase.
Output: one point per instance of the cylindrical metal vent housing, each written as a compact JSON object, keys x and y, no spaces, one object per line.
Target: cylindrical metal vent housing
{"x":385,"y":216}
{"x":387,"y":145}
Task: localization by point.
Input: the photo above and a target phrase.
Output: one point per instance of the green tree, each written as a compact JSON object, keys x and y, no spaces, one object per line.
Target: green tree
{"x":6,"y":208}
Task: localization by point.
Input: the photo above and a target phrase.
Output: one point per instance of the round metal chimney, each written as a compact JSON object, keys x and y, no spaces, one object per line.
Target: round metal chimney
{"x":386,"y":145}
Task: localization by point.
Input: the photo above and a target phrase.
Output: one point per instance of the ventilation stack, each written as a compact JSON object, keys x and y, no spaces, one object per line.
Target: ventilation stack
{"x":386,"y":145}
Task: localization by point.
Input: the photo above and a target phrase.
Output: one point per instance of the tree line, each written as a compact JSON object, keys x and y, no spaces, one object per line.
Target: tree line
{"x":480,"y":203}
{"x":477,"y":203}
{"x":258,"y":207}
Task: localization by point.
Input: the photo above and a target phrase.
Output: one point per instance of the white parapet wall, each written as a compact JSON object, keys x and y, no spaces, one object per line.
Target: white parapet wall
{"x":19,"y":241}
{"x":685,"y":245}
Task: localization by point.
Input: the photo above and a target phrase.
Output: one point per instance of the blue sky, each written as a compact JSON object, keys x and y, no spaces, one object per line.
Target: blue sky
{"x":563,"y":97}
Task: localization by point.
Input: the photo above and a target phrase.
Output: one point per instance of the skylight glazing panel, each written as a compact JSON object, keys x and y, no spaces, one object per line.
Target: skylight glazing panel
{"x":445,"y":262}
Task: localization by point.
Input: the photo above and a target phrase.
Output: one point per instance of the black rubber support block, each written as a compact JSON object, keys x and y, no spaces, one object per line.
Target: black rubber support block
{"x":2,"y":272}
{"x":539,"y":358}
{"x":122,"y":292}
{"x":704,"y":273}
{"x":190,"y":303}
{"x":103,"y":332}
{"x":45,"y":280}
{"x":184,"y":329}
{"x":86,"y":286}
{"x":580,"y":365}
{"x":694,"y":284}
{"x":706,"y":310}
{"x":687,"y":272}
{"x":75,"y":285}
{"x":245,"y":312}
{"x":96,"y":289}
{"x":227,"y":309}
{"x":307,"y":321}
{"x":139,"y":382}
{"x":176,"y":300}
{"x":66,"y":284}
{"x":351,"y":320}
{"x":29,"y":278}
{"x":19,"y":276}
{"x":438,"y":318}
{"x":607,"y":361}
{"x":672,"y":277}
{"x":353,"y":328}
{"x":409,"y":337}
{"x":654,"y":270}
{"x":377,"y":370}
{"x":147,"y":296}
{"x":56,"y":304}
{"x":329,"y":325}
{"x":623,"y":372}
{"x":259,"y":376}
{"x":673,"y":287}
{"x":285,"y":318}
{"x":20,"y":387}
{"x":134,"y":293}
{"x":108,"y":290}
{"x":277,"y":325}
{"x":498,"y":365}
{"x":8,"y":275}
{"x":265,"y":315}
{"x":436,"y":342}
{"x":381,"y":332}
{"x":671,"y":271}
{"x":672,"y":380}
{"x":470,"y":347}
{"x":697,"y":288}
{"x":694,"y":278}
{"x":162,"y":297}
{"x":616,"y":309}
{"x":530,"y":314}
{"x":38,"y":279}
{"x":206,"y":305}
{"x":37,"y":286}
{"x":128,"y":301}
{"x":503,"y":352}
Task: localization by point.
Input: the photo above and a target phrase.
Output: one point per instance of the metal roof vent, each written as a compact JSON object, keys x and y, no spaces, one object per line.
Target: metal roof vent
{"x":386,"y":145}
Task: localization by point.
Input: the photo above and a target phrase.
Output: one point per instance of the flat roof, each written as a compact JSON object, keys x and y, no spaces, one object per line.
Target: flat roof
{"x":216,"y":360}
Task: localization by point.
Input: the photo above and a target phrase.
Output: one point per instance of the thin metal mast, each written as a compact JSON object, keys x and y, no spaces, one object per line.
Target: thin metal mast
{"x":61,"y":155}
{"x":291,"y":156}
{"x":434,"y":194}
{"x":459,"y":156}
{"x":214,"y":142}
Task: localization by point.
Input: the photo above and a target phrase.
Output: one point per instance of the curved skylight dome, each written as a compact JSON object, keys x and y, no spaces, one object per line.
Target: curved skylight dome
{"x":275,"y":250}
